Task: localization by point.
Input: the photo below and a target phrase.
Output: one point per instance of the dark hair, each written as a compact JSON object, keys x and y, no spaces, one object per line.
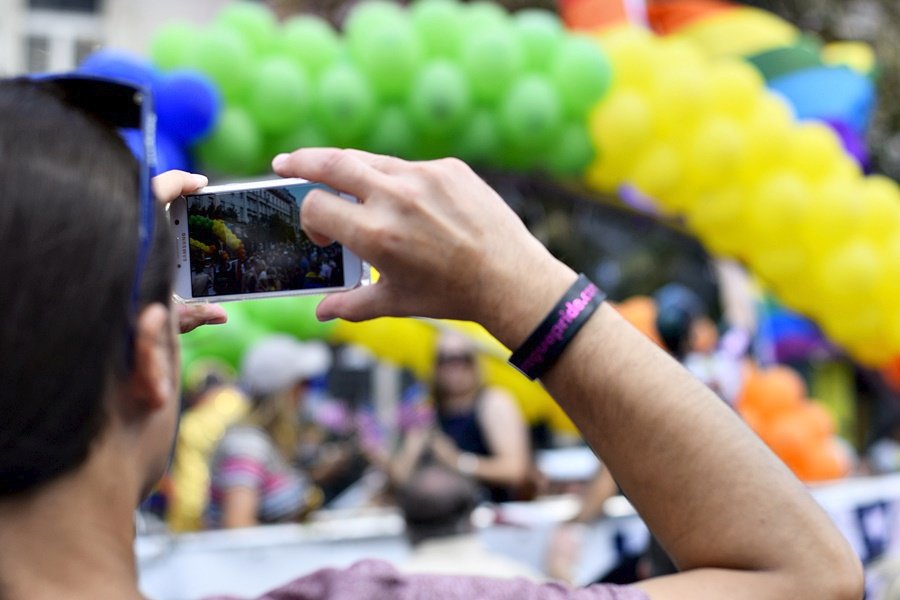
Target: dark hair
{"x":68,"y":247}
{"x":437,"y":502}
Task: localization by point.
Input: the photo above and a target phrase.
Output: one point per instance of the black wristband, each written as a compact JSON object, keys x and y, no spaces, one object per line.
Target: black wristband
{"x":542,"y":348}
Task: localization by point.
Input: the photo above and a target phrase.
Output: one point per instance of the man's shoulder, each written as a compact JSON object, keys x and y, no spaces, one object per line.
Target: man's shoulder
{"x":379,"y":580}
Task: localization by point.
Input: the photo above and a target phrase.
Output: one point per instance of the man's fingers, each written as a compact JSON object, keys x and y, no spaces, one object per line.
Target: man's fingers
{"x":192,"y":316}
{"x":171,"y":184}
{"x":326,"y":217}
{"x":390,"y":165}
{"x":337,"y":168}
{"x":359,"y":304}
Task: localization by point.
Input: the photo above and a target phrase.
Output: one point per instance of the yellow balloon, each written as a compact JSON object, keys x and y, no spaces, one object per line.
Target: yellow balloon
{"x":777,"y":208}
{"x":716,"y":152}
{"x":880,"y":208}
{"x":849,"y":328}
{"x":852,"y":272}
{"x":632,"y":52}
{"x":742,"y":31}
{"x":815,"y":150}
{"x":682,"y":96}
{"x":717,"y":219}
{"x":622,"y":124}
{"x":768,"y":134}
{"x":657,"y":172}
{"x":834,"y":218}
{"x":736,"y":87}
{"x":781,"y":266}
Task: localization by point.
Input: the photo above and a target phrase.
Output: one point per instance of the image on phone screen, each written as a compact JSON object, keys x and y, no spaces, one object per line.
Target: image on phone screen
{"x":251,"y":241}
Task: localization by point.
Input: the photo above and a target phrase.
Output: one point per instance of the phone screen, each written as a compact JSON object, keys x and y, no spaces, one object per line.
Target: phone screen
{"x":249,"y":241}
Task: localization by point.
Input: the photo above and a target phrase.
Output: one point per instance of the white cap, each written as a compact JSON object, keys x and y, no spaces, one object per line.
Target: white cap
{"x":279,"y":361}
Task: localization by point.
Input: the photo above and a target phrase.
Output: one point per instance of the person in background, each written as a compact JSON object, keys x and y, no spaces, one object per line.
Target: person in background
{"x":212,"y":403}
{"x":253,"y":479}
{"x":437,"y":505}
{"x":90,"y":426}
{"x":692,"y":338}
{"x":479,"y":432}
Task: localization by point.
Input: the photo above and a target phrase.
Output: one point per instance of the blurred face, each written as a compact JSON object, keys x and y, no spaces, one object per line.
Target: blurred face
{"x":456,"y":369}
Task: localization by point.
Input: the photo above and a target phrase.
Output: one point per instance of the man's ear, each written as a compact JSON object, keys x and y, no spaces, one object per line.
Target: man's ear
{"x":154,"y":374}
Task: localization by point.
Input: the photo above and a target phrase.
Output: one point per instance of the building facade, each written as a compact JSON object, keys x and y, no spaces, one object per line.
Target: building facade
{"x":55,"y":35}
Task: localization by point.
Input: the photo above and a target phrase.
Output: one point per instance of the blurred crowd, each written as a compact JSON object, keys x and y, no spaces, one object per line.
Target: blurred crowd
{"x":296,"y":430}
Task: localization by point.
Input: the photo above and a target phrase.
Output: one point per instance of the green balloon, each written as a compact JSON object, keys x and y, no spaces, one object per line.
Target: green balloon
{"x":516,"y":158}
{"x":491,"y":58}
{"x":531,"y":114}
{"x":254,"y":22}
{"x":392,"y":134}
{"x":440,"y":98}
{"x":582,"y":74}
{"x":306,"y":135}
{"x":571,"y":152}
{"x":293,"y":315}
{"x":226,"y":342}
{"x":173,"y":46}
{"x":433,"y":147}
{"x":390,"y":55}
{"x":482,"y":14}
{"x":280,"y":95}
{"x":223,"y":54}
{"x":479,"y":139}
{"x":311,"y":42}
{"x":235,"y":146}
{"x":370,"y":14}
{"x":540,"y":32}
{"x":346,"y":104}
{"x":439,"y":24}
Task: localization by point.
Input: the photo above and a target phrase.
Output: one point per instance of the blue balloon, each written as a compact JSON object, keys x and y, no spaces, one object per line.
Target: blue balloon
{"x":829,"y":93}
{"x":170,"y":153}
{"x":188,"y":105}
{"x":122,"y":66}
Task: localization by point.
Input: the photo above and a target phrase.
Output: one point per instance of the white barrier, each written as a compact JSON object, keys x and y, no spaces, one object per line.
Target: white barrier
{"x":248,"y":562}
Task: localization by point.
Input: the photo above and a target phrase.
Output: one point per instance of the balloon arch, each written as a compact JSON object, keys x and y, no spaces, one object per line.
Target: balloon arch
{"x":724,"y":117}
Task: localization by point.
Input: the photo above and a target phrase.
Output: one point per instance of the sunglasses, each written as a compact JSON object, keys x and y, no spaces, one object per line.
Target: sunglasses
{"x":127,"y":108}
{"x":461,"y":359}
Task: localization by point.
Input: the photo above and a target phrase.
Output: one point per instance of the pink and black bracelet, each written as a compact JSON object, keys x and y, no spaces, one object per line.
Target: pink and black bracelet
{"x":545,"y":344}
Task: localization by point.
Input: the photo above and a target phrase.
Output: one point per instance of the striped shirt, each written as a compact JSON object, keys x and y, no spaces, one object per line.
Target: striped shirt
{"x":247,"y":457}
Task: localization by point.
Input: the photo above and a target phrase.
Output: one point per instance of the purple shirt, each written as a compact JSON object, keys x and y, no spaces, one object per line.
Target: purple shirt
{"x":377,"y":580}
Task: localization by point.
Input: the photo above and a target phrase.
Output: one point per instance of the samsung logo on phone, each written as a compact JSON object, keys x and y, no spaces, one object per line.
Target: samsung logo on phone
{"x":184,"y":247}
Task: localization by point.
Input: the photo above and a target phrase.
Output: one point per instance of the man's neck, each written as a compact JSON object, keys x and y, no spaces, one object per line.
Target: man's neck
{"x":73,"y":538}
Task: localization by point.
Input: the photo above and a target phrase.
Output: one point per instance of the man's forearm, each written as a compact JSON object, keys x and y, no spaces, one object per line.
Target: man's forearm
{"x":711,"y":491}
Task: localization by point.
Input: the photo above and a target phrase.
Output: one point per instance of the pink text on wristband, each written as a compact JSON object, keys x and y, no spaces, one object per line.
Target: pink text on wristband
{"x":540,"y":351}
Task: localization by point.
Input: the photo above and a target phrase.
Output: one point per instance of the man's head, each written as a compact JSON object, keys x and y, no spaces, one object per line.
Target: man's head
{"x":77,"y":351}
{"x":437,"y":502}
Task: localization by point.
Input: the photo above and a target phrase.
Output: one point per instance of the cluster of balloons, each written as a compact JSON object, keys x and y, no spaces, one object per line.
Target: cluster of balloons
{"x":187,"y":104}
{"x":219,"y":229}
{"x":439,"y":79}
{"x":708,"y":142}
{"x":800,"y":431}
{"x":203,"y":248}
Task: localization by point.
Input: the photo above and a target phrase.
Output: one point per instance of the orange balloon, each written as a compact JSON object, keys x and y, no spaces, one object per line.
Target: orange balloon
{"x":640,"y":311}
{"x":891,"y":374}
{"x":821,"y":420}
{"x":772,"y":391}
{"x":792,"y":436}
{"x":825,"y":461}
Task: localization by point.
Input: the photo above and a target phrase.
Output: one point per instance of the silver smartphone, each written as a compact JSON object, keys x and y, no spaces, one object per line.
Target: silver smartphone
{"x":244,"y":241}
